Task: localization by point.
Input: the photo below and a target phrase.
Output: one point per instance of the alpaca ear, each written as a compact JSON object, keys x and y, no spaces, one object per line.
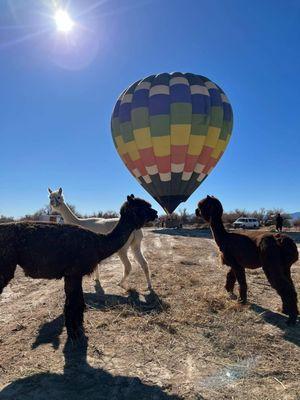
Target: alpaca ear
{"x":129,"y":199}
{"x":132,"y":196}
{"x":49,"y":190}
{"x":60,"y":190}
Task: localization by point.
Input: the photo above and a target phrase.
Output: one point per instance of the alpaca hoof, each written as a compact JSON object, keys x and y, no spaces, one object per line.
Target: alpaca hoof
{"x":291,"y":321}
{"x":285,"y":310}
{"x":242,"y":301}
{"x":232,"y":296}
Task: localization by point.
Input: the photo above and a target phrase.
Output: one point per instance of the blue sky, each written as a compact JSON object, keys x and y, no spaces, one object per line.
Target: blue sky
{"x":57,"y":97}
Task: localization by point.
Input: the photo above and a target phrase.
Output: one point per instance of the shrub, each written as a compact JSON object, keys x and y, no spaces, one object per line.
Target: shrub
{"x":4,"y":219}
{"x":297,"y":223}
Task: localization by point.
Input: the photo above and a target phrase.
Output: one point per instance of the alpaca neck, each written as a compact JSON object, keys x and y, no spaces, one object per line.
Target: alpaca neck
{"x":68,"y":215}
{"x":116,"y":239}
{"x":218,"y":230}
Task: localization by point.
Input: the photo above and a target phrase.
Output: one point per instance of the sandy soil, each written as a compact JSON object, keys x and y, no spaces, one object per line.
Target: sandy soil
{"x":185,"y":341}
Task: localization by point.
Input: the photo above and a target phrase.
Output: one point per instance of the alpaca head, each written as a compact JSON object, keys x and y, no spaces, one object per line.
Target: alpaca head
{"x":138,"y":211}
{"x":209,"y":207}
{"x":56,"y":199}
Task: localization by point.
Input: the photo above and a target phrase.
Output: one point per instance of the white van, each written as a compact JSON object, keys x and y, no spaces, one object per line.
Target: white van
{"x":245,"y":223}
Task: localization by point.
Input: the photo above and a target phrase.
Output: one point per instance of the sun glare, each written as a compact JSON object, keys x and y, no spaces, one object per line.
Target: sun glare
{"x":64,"y":22}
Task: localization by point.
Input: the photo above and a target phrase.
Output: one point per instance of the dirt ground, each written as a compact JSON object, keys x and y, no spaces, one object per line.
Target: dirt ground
{"x":185,"y":341}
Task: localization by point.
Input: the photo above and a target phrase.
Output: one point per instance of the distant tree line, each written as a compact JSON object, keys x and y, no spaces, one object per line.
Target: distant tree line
{"x":264,"y":216}
{"x":46,"y":210}
{"x":99,"y":214}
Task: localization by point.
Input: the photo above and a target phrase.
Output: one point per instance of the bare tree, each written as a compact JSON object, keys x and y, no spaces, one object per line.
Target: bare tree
{"x":297,"y":223}
{"x":183,"y":216}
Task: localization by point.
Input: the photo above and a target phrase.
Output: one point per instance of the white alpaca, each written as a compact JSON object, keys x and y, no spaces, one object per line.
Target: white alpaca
{"x":102,"y":225}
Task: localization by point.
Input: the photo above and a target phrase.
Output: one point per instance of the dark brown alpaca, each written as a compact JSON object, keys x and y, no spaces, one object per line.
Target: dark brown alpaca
{"x":51,"y":251}
{"x":274,"y":253}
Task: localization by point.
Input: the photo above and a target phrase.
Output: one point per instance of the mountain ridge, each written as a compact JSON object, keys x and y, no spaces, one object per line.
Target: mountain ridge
{"x":295,"y":215}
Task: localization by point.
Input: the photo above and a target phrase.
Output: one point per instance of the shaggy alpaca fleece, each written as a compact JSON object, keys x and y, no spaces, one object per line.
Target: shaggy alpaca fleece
{"x":104,"y":225}
{"x":52,"y":251}
{"x":275,"y":254}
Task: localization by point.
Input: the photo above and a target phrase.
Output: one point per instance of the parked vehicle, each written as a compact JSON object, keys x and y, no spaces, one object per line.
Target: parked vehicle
{"x":173,"y":223}
{"x":51,"y":218}
{"x":246,"y":223}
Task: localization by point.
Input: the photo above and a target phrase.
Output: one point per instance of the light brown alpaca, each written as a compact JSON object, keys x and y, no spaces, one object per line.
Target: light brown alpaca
{"x":275,"y":254}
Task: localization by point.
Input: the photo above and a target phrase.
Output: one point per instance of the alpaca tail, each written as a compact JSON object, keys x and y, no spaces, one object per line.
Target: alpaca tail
{"x":288,"y":249}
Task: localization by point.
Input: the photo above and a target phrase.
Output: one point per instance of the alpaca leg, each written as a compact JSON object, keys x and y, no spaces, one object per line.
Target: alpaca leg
{"x":279,"y":277}
{"x":287,"y":273}
{"x":127,"y":266}
{"x":230,"y":282}
{"x":7,"y":273}
{"x":74,"y":306}
{"x":241,"y":278}
{"x":96,"y":273}
{"x":285,"y":289}
{"x":137,"y":251}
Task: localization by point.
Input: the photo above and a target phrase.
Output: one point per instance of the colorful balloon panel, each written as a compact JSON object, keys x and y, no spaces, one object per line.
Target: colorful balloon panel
{"x":171,"y":130}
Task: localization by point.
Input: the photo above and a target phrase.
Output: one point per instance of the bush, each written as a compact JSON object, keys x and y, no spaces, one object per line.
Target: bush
{"x":4,"y":219}
{"x":231,"y":216}
{"x":101,"y":214}
{"x":297,"y":223}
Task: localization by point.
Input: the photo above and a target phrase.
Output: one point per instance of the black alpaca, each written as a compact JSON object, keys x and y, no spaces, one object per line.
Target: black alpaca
{"x":274,"y":253}
{"x":51,"y":251}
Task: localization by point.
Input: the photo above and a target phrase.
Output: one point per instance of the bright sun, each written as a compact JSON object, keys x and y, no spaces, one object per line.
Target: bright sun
{"x":64,"y":22}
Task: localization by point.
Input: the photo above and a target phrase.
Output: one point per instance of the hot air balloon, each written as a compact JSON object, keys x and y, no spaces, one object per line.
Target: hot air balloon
{"x":171,"y":130}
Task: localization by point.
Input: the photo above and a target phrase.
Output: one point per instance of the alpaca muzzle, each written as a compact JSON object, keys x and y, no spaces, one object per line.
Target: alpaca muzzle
{"x":55,"y":202}
{"x":153,"y":216}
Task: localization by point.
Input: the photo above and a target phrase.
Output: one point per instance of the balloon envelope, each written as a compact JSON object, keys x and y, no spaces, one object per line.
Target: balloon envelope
{"x":171,"y":130}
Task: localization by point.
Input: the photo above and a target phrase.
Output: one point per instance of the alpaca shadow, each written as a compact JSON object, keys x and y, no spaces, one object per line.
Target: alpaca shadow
{"x":294,"y":235}
{"x":291,"y":333}
{"x":102,"y":301}
{"x":80,"y":381}
{"x":199,"y":233}
{"x":50,"y":332}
